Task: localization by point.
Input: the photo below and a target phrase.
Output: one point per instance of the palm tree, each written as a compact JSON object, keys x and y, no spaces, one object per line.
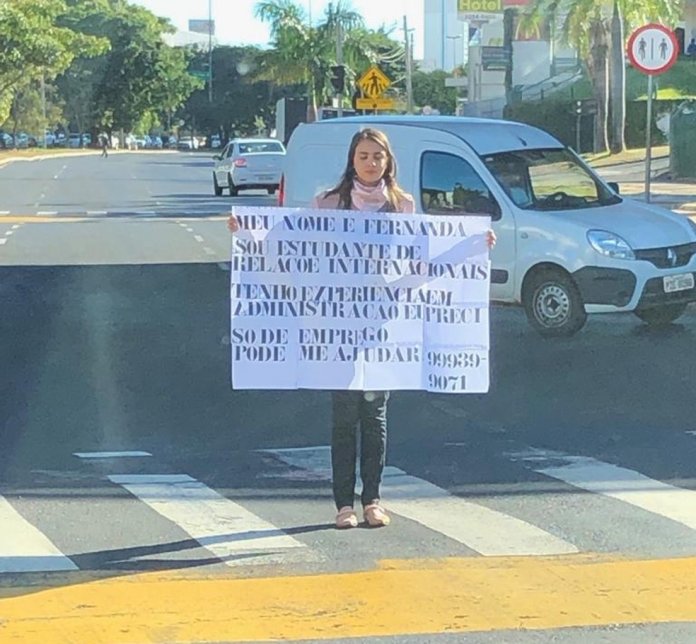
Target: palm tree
{"x":303,"y":54}
{"x":596,"y":29}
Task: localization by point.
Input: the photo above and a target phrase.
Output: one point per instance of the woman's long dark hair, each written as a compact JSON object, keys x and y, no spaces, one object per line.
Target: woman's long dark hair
{"x":345,"y":185}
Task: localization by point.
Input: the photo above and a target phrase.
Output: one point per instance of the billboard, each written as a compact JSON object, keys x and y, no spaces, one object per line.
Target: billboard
{"x":202,"y":26}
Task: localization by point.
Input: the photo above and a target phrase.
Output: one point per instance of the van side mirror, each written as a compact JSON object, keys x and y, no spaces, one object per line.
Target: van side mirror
{"x":614,"y":186}
{"x":481,"y":205}
{"x":216,"y":157}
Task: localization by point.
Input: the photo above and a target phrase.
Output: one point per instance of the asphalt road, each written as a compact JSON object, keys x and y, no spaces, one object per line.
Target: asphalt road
{"x":582,"y":457}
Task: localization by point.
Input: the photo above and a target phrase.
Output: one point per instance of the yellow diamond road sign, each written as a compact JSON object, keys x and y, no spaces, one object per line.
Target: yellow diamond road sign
{"x":374,"y":82}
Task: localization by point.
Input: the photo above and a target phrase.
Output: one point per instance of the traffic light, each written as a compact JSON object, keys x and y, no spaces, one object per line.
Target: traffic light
{"x":338,"y":78}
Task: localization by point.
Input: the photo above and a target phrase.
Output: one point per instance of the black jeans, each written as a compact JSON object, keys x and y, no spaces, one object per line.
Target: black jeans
{"x":369,"y":410}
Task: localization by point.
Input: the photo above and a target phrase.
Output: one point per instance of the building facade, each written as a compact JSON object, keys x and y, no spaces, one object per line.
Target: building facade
{"x":445,"y":37}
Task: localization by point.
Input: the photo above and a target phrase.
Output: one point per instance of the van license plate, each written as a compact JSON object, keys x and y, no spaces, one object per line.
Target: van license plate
{"x":265,"y":177}
{"x":673,"y":283}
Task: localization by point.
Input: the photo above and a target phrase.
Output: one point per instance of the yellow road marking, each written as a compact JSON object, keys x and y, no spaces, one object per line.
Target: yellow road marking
{"x":39,"y":219}
{"x":400,"y":597}
{"x":64,"y":219}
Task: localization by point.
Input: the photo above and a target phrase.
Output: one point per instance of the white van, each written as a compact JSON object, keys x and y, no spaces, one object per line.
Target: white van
{"x":568,"y":244}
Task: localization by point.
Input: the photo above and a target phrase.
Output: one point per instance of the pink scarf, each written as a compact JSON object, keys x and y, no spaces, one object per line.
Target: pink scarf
{"x":368,"y":197}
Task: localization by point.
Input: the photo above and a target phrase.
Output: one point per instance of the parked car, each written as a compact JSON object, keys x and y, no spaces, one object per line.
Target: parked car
{"x":568,"y":243}
{"x":187,"y":143}
{"x":153,"y":142}
{"x":77,"y":140}
{"x":248,"y":164}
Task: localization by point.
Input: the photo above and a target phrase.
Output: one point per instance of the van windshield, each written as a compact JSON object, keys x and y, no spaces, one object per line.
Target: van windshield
{"x":548,"y":180}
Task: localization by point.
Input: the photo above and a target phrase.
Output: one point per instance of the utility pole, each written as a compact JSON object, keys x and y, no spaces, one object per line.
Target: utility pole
{"x":339,"y":61}
{"x":43,"y":109}
{"x":408,"y":45}
{"x":210,"y":51}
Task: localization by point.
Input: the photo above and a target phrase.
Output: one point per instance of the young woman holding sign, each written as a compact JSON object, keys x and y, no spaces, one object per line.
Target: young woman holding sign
{"x":368,"y":184}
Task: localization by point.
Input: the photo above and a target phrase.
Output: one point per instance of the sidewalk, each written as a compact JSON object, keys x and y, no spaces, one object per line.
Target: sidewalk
{"x":675,"y":194}
{"x":679,"y":196}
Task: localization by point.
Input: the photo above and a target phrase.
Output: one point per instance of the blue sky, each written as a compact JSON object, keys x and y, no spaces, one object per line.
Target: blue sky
{"x":235,"y":22}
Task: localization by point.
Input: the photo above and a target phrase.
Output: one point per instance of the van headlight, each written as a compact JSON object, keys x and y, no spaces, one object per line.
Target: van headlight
{"x":610,"y":245}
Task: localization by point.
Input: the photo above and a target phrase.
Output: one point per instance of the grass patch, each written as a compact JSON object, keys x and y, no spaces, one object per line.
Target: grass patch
{"x":37,"y":152}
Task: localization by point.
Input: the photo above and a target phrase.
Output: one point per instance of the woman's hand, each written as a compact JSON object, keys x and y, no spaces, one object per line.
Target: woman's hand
{"x":233,"y":224}
{"x":491,"y":239}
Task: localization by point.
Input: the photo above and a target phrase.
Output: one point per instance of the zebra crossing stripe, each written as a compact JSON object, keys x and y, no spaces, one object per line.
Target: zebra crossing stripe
{"x":487,"y":531}
{"x":111,"y":455}
{"x":220,"y":525}
{"x":629,"y":486}
{"x":24,"y":548}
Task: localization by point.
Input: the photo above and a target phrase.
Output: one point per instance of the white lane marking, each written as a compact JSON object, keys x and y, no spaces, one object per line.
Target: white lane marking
{"x":693,"y":433}
{"x":4,"y":212}
{"x":623,"y":484}
{"x":198,"y":238}
{"x":188,"y":229}
{"x":97,"y":455}
{"x":209,"y":251}
{"x":488,"y":532}
{"x":96,"y":212}
{"x":23,"y":548}
{"x":8,"y":233}
{"x":46,"y":212}
{"x":222,"y":526}
{"x":16,"y":226}
{"x":3,"y":240}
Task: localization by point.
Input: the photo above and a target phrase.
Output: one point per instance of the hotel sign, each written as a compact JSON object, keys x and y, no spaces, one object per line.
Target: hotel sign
{"x":479,"y":6}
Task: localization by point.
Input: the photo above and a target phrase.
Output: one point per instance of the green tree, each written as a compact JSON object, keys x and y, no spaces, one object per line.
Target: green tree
{"x":139,"y":76}
{"x":597,"y":28}
{"x":239,"y":97}
{"x":429,"y":89}
{"x":34,"y":45}
{"x":303,"y":54}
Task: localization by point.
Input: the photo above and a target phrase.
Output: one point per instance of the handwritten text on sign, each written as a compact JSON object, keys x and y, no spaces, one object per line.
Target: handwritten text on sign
{"x":324,"y":299}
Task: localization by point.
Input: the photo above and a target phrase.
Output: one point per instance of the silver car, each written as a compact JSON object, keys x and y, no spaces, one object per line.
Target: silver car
{"x":248,"y":164}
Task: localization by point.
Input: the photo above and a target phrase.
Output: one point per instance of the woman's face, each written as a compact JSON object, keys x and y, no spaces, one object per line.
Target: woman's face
{"x":370,"y":162}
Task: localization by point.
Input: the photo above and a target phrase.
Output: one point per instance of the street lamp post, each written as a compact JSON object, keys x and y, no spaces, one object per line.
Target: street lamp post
{"x":454,"y":50}
{"x":210,"y":51}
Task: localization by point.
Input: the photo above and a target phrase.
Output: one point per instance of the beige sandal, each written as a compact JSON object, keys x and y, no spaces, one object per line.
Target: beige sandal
{"x":375,"y":515}
{"x":346,"y":518}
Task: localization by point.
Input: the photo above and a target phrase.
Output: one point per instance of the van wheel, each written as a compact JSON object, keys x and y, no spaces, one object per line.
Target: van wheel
{"x":661,"y":315}
{"x":271,"y":191}
{"x":553,"y":303}
{"x":234,"y":191}
{"x":216,"y":187}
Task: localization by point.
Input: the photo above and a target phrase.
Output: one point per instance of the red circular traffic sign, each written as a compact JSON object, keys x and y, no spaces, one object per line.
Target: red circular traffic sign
{"x":652,"y":49}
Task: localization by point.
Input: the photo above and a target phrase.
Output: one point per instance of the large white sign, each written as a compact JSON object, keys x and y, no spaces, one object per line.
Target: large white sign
{"x":324,"y":299}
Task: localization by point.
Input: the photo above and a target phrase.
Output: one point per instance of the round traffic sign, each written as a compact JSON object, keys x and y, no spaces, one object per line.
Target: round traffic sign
{"x":652,"y":49}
